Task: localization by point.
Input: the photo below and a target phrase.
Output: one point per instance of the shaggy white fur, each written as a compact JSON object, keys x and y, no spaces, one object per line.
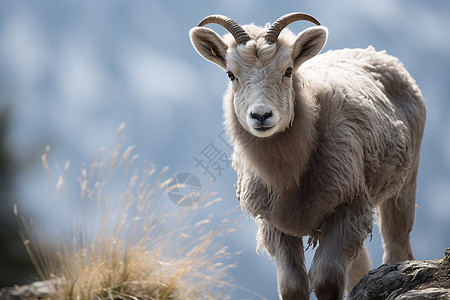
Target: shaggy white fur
{"x":334,"y":138}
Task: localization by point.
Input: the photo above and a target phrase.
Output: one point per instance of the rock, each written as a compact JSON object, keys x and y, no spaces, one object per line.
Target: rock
{"x":406,"y":280}
{"x":426,"y":294}
{"x":36,"y":290}
{"x":409,"y":280}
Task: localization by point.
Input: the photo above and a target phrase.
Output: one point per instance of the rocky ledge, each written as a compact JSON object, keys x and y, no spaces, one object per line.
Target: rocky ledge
{"x":36,"y":290}
{"x":409,"y":280}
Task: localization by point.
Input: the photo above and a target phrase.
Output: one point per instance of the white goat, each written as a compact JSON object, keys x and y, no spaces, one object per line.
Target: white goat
{"x":318,"y":143}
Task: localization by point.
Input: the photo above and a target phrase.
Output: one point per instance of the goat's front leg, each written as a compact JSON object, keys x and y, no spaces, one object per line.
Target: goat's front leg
{"x":340,"y":242}
{"x":287,"y":252}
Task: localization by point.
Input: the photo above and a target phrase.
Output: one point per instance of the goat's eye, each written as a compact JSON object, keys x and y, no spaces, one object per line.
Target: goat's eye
{"x":231,"y":75}
{"x":288,"y":72}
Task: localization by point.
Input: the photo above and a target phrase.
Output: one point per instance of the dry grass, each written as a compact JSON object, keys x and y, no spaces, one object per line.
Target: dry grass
{"x":125,"y":241}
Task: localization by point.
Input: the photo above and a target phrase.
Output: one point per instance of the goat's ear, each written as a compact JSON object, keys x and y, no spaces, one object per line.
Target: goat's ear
{"x":209,"y":45}
{"x":308,"y":43}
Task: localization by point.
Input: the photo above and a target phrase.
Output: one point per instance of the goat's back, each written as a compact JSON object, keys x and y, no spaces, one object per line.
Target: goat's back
{"x":371,"y":106}
{"x":374,"y":75}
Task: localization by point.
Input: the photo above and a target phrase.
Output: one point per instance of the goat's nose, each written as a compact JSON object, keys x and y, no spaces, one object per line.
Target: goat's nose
{"x":261,"y":117}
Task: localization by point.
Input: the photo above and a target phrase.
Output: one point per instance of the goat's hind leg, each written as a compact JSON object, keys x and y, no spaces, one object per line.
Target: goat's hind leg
{"x":287,"y":252}
{"x":395,"y":220}
{"x":358,"y":268}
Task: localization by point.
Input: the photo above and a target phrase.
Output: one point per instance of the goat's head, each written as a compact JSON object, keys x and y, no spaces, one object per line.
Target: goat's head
{"x":261,"y":64}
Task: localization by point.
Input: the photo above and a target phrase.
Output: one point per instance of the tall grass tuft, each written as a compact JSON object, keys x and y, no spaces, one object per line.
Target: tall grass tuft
{"x":123,"y":240}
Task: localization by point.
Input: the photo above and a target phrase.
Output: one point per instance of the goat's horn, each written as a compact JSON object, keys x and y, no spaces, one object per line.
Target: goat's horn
{"x":234,"y":28}
{"x":274,"y":30}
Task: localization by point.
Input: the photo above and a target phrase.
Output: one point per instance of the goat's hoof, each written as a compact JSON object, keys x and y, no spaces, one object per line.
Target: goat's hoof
{"x":329,"y":292}
{"x":294,"y":295}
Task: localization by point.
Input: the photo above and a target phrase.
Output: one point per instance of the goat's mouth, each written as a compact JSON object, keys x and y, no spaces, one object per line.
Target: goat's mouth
{"x":263,"y":128}
{"x":263,"y":131}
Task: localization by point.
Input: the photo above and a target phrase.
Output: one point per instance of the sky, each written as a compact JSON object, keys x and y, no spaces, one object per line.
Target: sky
{"x":73,"y":71}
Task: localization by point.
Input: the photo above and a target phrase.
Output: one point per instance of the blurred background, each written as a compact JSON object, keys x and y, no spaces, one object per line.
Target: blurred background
{"x":72,"y":71}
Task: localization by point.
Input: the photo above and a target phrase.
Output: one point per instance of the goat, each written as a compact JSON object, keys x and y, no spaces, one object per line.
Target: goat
{"x":319,"y":143}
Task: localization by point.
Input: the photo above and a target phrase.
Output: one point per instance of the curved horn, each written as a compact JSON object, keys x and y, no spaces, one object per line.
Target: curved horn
{"x":234,"y":28}
{"x":274,"y":30}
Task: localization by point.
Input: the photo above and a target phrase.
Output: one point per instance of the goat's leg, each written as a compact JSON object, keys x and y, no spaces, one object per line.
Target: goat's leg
{"x":395,"y":220}
{"x":340,"y":242}
{"x":358,"y":268}
{"x":287,"y":252}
